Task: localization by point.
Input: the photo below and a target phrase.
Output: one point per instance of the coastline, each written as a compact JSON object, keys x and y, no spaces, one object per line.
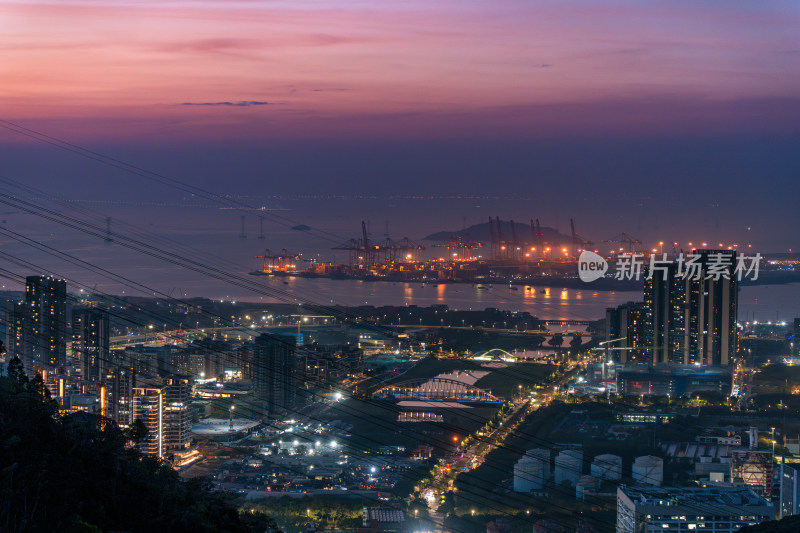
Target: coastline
{"x":607,"y":283}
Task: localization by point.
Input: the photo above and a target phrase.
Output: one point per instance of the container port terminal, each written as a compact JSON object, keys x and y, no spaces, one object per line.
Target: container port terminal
{"x":514,"y":253}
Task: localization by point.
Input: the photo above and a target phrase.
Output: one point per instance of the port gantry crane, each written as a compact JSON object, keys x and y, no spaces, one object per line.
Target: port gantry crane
{"x":501,"y":242}
{"x":364,"y":252}
{"x":625,"y":239}
{"x":460,"y":249}
{"x":402,"y":251}
{"x":515,"y":248}
{"x":536,"y":238}
{"x":280,"y":262}
{"x":578,"y":243}
{"x":500,"y":248}
{"x":518,"y":249}
{"x":492,"y":240}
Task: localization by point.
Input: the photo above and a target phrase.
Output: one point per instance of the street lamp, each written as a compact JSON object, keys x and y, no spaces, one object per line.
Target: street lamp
{"x":772,"y":430}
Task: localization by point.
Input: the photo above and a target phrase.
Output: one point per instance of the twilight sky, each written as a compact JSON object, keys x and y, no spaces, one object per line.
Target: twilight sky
{"x":659,"y":107}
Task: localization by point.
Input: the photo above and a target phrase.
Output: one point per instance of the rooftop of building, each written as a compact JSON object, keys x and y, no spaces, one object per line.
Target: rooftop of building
{"x":226,"y":387}
{"x":695,"y":450}
{"x":217,"y":426}
{"x":384,"y":515}
{"x":676,"y":369}
{"x":676,"y":496}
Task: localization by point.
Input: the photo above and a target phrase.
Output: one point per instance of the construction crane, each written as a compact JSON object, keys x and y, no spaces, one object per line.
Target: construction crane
{"x":625,"y":239}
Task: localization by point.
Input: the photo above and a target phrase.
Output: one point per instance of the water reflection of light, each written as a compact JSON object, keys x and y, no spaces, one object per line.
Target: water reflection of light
{"x":539,"y":300}
{"x":564,"y":294}
{"x":440,"y":292}
{"x":530,"y":292}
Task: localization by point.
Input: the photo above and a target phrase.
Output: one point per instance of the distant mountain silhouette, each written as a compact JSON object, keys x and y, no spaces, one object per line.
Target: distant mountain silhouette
{"x":482,"y":233}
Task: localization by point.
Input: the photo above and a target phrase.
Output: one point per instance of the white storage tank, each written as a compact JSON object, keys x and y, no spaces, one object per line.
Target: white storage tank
{"x":569,"y":467}
{"x":542,"y":455}
{"x":649,"y":470}
{"x":607,"y":466}
{"x":585,"y":484}
{"x":528,"y":474}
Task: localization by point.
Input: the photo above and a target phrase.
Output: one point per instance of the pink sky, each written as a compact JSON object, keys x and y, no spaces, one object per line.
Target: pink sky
{"x":126,"y":69}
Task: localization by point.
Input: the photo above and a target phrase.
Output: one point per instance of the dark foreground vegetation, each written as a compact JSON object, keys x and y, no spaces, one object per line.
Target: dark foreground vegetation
{"x":75,"y":474}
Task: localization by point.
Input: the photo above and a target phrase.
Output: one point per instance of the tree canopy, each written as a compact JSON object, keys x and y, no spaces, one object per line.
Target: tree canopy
{"x":76,"y":473}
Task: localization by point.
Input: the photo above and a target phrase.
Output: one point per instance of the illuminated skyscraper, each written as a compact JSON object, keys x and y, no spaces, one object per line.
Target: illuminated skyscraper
{"x":177,"y":414}
{"x":46,"y":298}
{"x":18,"y":340}
{"x":625,"y":332}
{"x":274,"y":372}
{"x":147,"y":407}
{"x":712,"y":336}
{"x":789,"y":490}
{"x":691,"y":310}
{"x":90,"y":337}
{"x":664,"y":296}
{"x":165,"y":410}
{"x":120,"y":382}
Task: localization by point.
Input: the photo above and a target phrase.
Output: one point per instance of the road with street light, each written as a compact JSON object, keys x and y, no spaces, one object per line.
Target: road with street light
{"x":471,"y":451}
